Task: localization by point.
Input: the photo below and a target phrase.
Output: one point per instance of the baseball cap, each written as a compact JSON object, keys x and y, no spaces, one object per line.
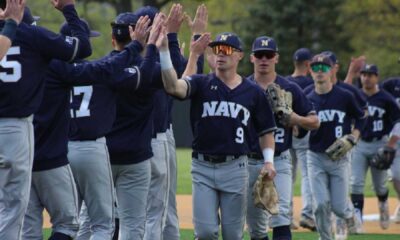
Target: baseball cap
{"x":321,"y":59}
{"x":332,"y":56}
{"x":120,"y":26}
{"x":65,"y":29}
{"x":147,"y":10}
{"x":302,"y":54}
{"x":28,"y":18}
{"x":264,"y":43}
{"x":370,"y":68}
{"x":229,"y":39}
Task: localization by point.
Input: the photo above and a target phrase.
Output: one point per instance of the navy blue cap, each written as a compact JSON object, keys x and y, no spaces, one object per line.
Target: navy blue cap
{"x":120,"y":26}
{"x":370,"y":68}
{"x":302,"y":54}
{"x":264,"y":43}
{"x":65,"y":29}
{"x":332,"y":56}
{"x":321,"y":59}
{"x":28,"y":18}
{"x":229,"y":39}
{"x":147,"y":10}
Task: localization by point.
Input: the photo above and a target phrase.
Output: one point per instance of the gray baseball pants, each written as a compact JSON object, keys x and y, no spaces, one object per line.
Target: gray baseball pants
{"x":91,"y":167}
{"x":329,"y":187}
{"x":16,"y":158}
{"x":132,"y":183}
{"x":219,"y":188}
{"x":171,"y":229}
{"x":159,"y":187}
{"x":55,"y":191}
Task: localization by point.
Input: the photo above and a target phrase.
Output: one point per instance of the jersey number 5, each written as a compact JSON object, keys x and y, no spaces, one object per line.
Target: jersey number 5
{"x":83,"y":110}
{"x":15,"y":76}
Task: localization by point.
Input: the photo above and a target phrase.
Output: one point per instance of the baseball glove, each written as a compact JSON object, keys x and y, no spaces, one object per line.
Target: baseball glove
{"x":281,"y":103}
{"x":341,"y":147}
{"x":265,"y":195}
{"x":383,"y":159}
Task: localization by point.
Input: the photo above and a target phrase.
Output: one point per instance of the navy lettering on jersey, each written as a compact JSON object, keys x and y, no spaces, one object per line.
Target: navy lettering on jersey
{"x":383,"y":113}
{"x":301,"y":105}
{"x":220,"y":116}
{"x":336,"y":111}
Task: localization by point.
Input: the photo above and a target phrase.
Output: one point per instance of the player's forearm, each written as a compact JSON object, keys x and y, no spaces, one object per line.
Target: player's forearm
{"x":267,"y":144}
{"x":349,"y":78}
{"x":356,"y":133}
{"x":7,"y":35}
{"x":309,"y":122}
{"x":394,"y":135}
{"x":5,"y":44}
{"x":191,"y":67}
{"x":169,"y":77}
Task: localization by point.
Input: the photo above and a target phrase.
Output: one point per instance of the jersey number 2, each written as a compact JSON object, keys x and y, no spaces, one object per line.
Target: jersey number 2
{"x":15,"y":76}
{"x":83,"y":110}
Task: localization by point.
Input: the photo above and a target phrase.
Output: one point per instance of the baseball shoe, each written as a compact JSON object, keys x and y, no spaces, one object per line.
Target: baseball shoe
{"x":294,"y":225}
{"x":355,"y":224}
{"x":341,"y":229}
{"x":308,"y":223}
{"x":384,"y":217}
{"x":396,"y":214}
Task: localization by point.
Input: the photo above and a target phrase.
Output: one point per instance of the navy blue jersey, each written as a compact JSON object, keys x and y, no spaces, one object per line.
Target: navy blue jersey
{"x":301,"y":105}
{"x":336,"y":110}
{"x":22,"y":70}
{"x":129,"y":141}
{"x":220,"y":116}
{"x":392,"y":86}
{"x":302,"y":81}
{"x":383,"y":112}
{"x":52,"y":120}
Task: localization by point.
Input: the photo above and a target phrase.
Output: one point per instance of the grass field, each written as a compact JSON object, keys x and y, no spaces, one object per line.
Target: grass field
{"x":185,"y":179}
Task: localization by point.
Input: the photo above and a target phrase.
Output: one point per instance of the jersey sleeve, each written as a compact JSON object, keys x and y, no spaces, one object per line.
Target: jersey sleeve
{"x":194,"y":83}
{"x":67,"y":48}
{"x":301,"y":105}
{"x":356,"y":112}
{"x":262,"y":115}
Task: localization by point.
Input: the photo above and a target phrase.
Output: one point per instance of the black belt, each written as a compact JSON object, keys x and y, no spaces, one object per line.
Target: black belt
{"x":372,"y":139}
{"x":258,"y":156}
{"x":215,"y":158}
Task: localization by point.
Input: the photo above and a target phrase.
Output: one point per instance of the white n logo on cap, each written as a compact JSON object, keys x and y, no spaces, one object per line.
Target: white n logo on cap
{"x":264,"y":43}
{"x":320,"y":59}
{"x":224,"y":37}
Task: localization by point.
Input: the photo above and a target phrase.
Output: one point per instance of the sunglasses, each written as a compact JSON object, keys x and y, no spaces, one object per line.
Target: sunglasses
{"x":267,"y":54}
{"x":320,"y":67}
{"x":224,"y":49}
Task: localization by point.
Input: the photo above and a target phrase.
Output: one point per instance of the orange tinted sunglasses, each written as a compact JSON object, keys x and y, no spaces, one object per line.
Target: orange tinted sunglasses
{"x":224,"y":49}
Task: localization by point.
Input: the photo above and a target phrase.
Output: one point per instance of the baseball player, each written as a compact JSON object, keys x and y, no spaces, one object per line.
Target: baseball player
{"x":264,"y":58}
{"x":25,"y":64}
{"x":336,"y":109}
{"x":129,"y":144}
{"x":53,"y":184}
{"x":383,"y":115}
{"x":11,"y":14}
{"x":222,"y":108}
{"x":392,"y":86}
{"x":301,"y":59}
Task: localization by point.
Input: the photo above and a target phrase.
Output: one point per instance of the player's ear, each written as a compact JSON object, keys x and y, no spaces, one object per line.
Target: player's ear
{"x":277,"y":58}
{"x":252,"y":58}
{"x":241,"y":55}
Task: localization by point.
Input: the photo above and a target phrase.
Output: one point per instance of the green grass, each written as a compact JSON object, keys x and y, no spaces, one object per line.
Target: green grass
{"x":185,"y":178}
{"x":187,"y":234}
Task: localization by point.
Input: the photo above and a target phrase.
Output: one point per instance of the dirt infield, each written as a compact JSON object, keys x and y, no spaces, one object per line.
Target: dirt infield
{"x":370,"y":212}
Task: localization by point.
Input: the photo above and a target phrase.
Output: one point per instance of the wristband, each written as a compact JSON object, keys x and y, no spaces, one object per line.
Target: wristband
{"x":268,"y":154}
{"x":10,"y":29}
{"x":165,"y":60}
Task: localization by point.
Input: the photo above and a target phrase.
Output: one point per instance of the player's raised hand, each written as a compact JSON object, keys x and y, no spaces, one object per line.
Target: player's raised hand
{"x":156,"y":28}
{"x":199,"y":24}
{"x":199,"y":46}
{"x":14,"y":10}
{"x":356,"y":64}
{"x":141,"y":31}
{"x":60,"y":4}
{"x":175,"y":18}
